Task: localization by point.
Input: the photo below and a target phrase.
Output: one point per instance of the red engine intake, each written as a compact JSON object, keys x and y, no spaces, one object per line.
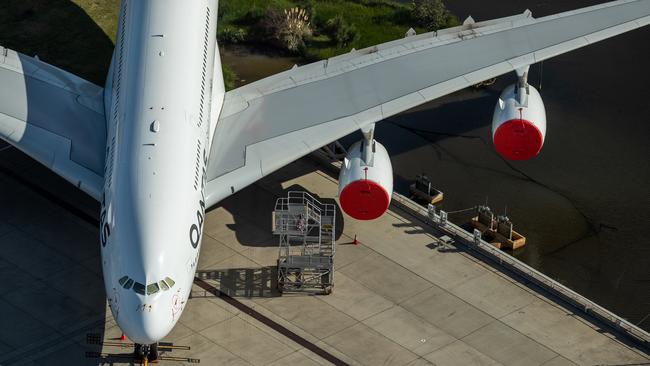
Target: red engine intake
{"x":365,"y":188}
{"x":519,"y":123}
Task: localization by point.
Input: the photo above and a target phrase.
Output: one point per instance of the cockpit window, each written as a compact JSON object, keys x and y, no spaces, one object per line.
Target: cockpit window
{"x":138,"y":288}
{"x":123,"y":280}
{"x":152,"y":288}
{"x":163,"y":285}
{"x":126,"y":282}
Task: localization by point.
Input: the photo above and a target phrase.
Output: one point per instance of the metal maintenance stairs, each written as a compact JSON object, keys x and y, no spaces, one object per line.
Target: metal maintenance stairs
{"x":306,"y":228}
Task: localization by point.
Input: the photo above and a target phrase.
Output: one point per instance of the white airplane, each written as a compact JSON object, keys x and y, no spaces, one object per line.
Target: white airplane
{"x":163,"y":140}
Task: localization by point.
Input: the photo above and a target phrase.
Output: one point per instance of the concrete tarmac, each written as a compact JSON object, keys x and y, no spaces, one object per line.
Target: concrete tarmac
{"x":400,"y":297}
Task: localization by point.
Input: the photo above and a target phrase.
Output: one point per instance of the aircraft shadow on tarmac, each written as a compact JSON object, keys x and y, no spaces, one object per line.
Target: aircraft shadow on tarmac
{"x":51,"y":257}
{"x":60,"y":33}
{"x":251,"y":209}
{"x":53,"y":291}
{"x":254,"y":205}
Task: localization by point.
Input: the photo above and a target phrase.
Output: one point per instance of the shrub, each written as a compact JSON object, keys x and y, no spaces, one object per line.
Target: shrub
{"x":252,"y":17}
{"x":432,"y":14}
{"x":288,"y":29}
{"x":339,"y":31}
{"x":308,"y":6}
{"x":231,"y":34}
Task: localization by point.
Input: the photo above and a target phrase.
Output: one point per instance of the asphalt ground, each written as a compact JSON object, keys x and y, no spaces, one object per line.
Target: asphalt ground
{"x":400,"y":297}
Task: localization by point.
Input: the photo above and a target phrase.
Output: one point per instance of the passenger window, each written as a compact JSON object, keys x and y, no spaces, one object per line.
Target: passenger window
{"x":170,"y":282}
{"x":122,"y":280}
{"x":152,"y":289}
{"x":163,"y":285}
{"x":138,"y":288}
{"x":128,"y":284}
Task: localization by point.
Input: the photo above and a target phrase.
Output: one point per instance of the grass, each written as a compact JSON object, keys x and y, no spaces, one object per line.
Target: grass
{"x":75,"y":36}
{"x":104,"y":13}
{"x":377,"y":22}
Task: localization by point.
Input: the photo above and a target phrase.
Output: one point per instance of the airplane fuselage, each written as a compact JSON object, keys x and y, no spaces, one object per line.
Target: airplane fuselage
{"x":158,"y":102}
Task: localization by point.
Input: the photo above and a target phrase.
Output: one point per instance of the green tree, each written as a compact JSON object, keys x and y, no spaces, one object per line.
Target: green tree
{"x":230,"y":34}
{"x":432,"y":14}
{"x":339,"y":31}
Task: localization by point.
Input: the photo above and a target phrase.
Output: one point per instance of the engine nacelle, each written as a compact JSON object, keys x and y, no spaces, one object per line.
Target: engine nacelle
{"x":365,"y":189}
{"x":518,"y":129}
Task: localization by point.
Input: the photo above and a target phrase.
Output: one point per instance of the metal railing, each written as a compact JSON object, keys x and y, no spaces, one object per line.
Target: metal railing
{"x":488,"y":250}
{"x":300,"y":217}
{"x":511,"y":263}
{"x":306,"y":230}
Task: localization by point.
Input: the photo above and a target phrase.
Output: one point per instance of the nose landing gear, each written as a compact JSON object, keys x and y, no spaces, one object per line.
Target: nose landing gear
{"x":142,"y":353}
{"x":146,"y":353}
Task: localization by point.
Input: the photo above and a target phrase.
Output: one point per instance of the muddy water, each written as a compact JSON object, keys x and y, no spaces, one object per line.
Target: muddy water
{"x":251,"y":66}
{"x":584,"y":203}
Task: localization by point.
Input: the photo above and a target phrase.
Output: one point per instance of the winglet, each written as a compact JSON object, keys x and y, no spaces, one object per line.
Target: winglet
{"x":410,"y":33}
{"x":469,"y":21}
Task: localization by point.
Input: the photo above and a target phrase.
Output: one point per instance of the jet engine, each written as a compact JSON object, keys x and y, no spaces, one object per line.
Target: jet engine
{"x":366,"y":180}
{"x":519,"y":122}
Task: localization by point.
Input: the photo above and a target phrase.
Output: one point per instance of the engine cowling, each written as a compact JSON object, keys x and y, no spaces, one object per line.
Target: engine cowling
{"x":518,"y":130}
{"x":365,"y":189}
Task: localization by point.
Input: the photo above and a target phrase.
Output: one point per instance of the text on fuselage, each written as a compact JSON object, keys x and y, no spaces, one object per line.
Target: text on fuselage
{"x":197,"y":228}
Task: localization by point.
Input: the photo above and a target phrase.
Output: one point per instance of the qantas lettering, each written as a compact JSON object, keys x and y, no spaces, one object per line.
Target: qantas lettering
{"x":105,"y":229}
{"x":197,"y":228}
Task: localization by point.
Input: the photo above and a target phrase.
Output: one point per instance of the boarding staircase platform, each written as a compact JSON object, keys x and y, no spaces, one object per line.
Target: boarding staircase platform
{"x":305,"y":228}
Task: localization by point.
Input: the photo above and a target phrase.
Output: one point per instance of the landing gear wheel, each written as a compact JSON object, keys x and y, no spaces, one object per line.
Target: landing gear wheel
{"x":153,"y":352}
{"x":138,"y":352}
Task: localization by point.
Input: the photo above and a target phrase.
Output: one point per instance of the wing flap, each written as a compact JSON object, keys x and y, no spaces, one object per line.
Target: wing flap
{"x":54,"y":117}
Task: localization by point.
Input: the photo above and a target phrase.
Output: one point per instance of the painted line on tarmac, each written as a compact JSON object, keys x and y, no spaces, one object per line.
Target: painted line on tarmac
{"x":269,"y":323}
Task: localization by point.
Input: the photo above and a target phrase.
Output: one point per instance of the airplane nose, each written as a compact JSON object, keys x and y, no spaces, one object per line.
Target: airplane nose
{"x":147,"y":325}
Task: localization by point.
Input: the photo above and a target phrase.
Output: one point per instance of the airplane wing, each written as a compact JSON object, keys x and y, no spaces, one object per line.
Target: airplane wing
{"x":272,"y":122}
{"x":54,"y":117}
